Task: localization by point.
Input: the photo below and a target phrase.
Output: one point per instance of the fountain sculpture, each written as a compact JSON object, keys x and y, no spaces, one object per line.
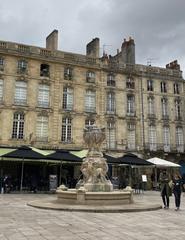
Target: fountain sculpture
{"x":95,"y":188}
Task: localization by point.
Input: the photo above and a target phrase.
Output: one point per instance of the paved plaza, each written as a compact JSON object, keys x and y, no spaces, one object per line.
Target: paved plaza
{"x":21,"y":222}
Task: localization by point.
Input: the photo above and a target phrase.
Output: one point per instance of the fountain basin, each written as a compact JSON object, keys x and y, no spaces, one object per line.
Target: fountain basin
{"x":82,"y":197}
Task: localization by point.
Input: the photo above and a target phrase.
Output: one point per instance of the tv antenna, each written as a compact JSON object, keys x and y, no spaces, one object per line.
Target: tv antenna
{"x":104,"y":47}
{"x":150,"y":61}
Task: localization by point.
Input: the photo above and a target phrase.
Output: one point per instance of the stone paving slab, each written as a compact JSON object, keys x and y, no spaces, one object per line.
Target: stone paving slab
{"x":21,"y":222}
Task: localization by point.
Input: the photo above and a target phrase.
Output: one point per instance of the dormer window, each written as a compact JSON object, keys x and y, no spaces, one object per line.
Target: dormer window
{"x":111,"y":80}
{"x":176,"y":88}
{"x":150,"y":85}
{"x":44,"y":70}
{"x":130,"y":83}
{"x":90,"y":77}
{"x":68,"y":73}
{"x":163,"y":87}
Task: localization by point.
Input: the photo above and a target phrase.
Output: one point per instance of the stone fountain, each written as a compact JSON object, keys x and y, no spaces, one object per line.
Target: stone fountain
{"x":94,"y":192}
{"x":94,"y":188}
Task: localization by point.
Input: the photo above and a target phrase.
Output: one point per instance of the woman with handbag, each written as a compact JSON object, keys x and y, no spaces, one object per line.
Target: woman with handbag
{"x":177,"y":185}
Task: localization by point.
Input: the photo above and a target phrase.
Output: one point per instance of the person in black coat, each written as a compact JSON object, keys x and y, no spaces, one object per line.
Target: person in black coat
{"x":177,"y":185}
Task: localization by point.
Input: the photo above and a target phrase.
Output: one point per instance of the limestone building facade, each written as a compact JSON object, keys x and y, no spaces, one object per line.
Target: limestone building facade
{"x":48,"y":96}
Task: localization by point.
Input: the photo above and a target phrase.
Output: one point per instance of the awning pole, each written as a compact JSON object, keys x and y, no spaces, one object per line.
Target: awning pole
{"x":22,"y":172}
{"x":155,"y":177}
{"x":60,"y":173}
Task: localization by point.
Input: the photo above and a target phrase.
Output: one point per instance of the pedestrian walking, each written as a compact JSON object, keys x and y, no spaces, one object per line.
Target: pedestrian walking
{"x":166,"y":191}
{"x":177,"y":184}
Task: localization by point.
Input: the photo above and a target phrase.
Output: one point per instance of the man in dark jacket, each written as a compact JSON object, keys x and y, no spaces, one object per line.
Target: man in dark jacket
{"x":165,"y":188}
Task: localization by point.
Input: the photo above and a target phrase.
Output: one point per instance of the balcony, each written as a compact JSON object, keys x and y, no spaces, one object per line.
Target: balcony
{"x":21,"y":102}
{"x":165,"y":117}
{"x":152,"y":116}
{"x":111,"y":111}
{"x":68,"y":107}
{"x":43,"y":104}
{"x":68,"y":76}
{"x":90,"y":79}
{"x":90,"y":109}
{"x":41,"y":139}
{"x":22,"y":70}
{"x":111,"y":83}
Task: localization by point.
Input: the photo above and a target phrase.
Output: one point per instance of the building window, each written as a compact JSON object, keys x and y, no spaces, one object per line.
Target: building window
{"x":1,"y":64}
{"x":43,"y":96}
{"x":22,"y":66}
{"x":176,"y":88}
{"x":89,"y":122}
{"x":131,"y":137}
{"x":179,"y":139}
{"x":90,"y":77}
{"x":66,"y":130}
{"x":130,"y":105}
{"x":110,"y":102}
{"x":130,"y":84}
{"x":18,"y":126}
{"x":111,"y":80}
{"x":111,"y":135}
{"x":90,"y":101}
{"x":1,"y":90}
{"x":152,"y":137}
{"x":20,"y":97}
{"x":42,"y":128}
{"x":151,"y":110}
{"x":68,"y":73}
{"x":166,"y":139}
{"x":67,"y":98}
{"x":178,"y":109}
{"x":164,"y":105}
{"x":44,"y":70}
{"x":150,"y":85}
{"x":163,"y":87}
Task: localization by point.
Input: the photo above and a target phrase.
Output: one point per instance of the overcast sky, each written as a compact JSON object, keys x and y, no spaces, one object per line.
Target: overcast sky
{"x":157,"y":26}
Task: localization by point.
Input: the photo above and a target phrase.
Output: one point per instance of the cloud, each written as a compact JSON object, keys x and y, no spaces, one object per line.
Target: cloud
{"x":157,"y":26}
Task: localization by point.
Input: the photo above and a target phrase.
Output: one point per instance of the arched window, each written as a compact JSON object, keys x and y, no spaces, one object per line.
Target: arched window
{"x":18,"y":125}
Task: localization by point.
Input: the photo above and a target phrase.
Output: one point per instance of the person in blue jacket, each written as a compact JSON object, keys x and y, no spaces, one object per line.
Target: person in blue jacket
{"x":177,"y":184}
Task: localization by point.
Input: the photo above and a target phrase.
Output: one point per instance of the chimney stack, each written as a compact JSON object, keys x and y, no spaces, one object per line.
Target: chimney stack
{"x":93,"y":48}
{"x":52,"y":40}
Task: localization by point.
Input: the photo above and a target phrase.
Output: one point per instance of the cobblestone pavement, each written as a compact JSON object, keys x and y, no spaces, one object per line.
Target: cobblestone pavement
{"x":21,"y":222}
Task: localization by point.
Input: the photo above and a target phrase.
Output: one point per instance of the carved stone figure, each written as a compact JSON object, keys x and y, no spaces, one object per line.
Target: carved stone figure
{"x":94,"y":167}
